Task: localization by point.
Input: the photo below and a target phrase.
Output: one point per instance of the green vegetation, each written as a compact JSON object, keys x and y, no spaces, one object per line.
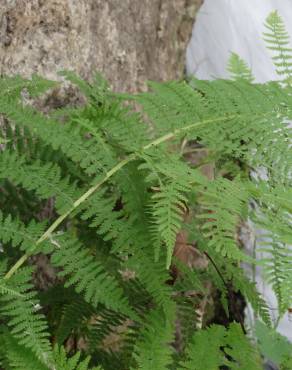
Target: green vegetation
{"x":104,"y":189}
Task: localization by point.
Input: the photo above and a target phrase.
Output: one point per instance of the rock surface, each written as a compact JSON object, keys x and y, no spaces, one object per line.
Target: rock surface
{"x":128,"y":41}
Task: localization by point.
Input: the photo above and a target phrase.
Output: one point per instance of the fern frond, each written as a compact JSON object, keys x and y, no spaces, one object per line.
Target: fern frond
{"x":85,"y":87}
{"x":168,"y":208}
{"x":13,"y":86}
{"x":132,"y":199}
{"x":277,"y":40}
{"x":20,"y":306}
{"x":204,"y":351}
{"x":178,"y":104}
{"x":249,"y":291}
{"x":119,"y":124}
{"x":59,"y":136}
{"x":127,"y":129}
{"x":88,"y":276}
{"x":43,"y":178}
{"x":99,"y":209}
{"x":238,"y":68}
{"x":209,"y":347}
{"x":240,"y":119}
{"x":25,"y":144}
{"x":224,"y":203}
{"x":153,"y":348}
{"x":187,"y":319}
{"x":62,"y":362}
{"x":274,"y":242}
{"x":22,"y":236}
{"x":18,"y":357}
{"x":277,"y":272}
{"x":73,"y":315}
{"x":248,"y":136}
{"x":114,"y":226}
{"x":241,"y":350}
{"x":171,"y":180}
{"x":134,"y":192}
{"x":273,"y":345}
{"x":145,"y":268}
{"x":171,"y":105}
{"x":103,"y":325}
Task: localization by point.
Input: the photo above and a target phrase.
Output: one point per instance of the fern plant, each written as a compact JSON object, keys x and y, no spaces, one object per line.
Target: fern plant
{"x":111,"y":195}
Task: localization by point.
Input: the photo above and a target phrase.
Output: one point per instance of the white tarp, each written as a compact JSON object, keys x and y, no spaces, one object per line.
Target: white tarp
{"x":225,"y":26}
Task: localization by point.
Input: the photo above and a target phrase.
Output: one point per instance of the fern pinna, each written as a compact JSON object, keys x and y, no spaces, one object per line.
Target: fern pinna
{"x":108,"y":193}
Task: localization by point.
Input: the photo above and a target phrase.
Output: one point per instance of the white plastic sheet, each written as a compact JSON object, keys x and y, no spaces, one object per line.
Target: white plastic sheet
{"x":225,"y":26}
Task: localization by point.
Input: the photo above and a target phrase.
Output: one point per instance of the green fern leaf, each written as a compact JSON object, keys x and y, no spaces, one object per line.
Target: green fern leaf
{"x":144,"y":266}
{"x":209,"y":347}
{"x":18,"y":357}
{"x":73,"y":315}
{"x":224,"y":204}
{"x":12,"y":86}
{"x":243,"y":353}
{"x":273,"y":346}
{"x":88,"y":276}
{"x":238,"y":68}
{"x":24,"y":237}
{"x":20,"y":306}
{"x":204,"y":351}
{"x":277,"y":40}
{"x":43,"y":178}
{"x":62,"y":362}
{"x":153,"y":348}
{"x":169,"y":205}
{"x":64,"y":137}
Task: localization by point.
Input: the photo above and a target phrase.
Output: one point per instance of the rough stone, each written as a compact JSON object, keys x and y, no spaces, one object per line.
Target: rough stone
{"x":128,"y":41}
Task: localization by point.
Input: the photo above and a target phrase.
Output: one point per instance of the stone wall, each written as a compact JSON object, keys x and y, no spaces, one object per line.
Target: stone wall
{"x":128,"y":41}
